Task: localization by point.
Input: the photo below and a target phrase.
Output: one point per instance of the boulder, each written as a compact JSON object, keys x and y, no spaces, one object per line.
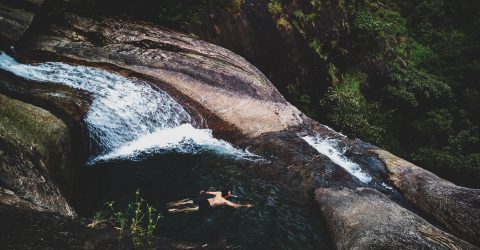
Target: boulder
{"x":15,"y":18}
{"x":34,"y":145}
{"x":364,"y":218}
{"x":457,"y":208}
{"x":71,"y":106}
{"x":212,"y":78}
{"x":22,"y":228}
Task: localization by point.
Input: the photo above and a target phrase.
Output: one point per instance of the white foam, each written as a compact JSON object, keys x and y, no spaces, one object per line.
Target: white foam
{"x":330,"y":148}
{"x":183,"y":139}
{"x":126,"y":115}
{"x":386,"y":186}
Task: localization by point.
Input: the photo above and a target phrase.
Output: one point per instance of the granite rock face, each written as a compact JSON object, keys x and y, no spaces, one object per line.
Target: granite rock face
{"x":15,"y":18}
{"x":34,"y":145}
{"x":211,"y":77}
{"x":457,"y":208}
{"x":364,"y":218}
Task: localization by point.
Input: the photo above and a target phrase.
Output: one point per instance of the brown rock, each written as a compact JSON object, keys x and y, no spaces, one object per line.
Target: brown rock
{"x":30,"y":139}
{"x":364,"y":218}
{"x":71,"y":105}
{"x":26,"y":229}
{"x":68,"y":104}
{"x":214,"y":78}
{"x":15,"y":18}
{"x":458,"y":208}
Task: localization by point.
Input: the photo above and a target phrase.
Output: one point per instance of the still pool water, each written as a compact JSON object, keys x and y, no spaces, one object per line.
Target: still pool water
{"x":276,"y":221}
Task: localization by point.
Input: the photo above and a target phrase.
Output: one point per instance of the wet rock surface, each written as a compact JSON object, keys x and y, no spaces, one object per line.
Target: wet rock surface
{"x":363,"y":218}
{"x":70,"y":106}
{"x":212,"y":77}
{"x":297,"y":166}
{"x":35,"y":151}
{"x":15,"y":18}
{"x":457,"y":208}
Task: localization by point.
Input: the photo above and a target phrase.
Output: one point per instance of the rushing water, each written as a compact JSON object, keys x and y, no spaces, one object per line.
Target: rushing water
{"x":127,"y":116}
{"x":331,"y":149}
{"x":181,"y":139}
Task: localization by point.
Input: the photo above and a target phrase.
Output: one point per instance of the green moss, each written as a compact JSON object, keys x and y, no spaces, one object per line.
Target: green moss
{"x":299,"y":15}
{"x":303,"y":18}
{"x":351,"y":81}
{"x":28,"y":124}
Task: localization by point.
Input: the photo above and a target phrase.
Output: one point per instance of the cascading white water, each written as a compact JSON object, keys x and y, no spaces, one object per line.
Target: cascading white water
{"x":126,"y":116}
{"x":184,"y":138}
{"x":330,"y":148}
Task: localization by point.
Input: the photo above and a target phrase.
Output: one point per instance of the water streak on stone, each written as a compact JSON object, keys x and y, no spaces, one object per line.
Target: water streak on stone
{"x":331,"y":149}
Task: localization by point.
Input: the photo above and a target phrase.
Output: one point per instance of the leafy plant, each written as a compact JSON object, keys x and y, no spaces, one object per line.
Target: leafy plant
{"x":139,"y":220}
{"x":275,"y":7}
{"x":236,"y":4}
{"x":283,"y":23}
{"x":316,"y":45}
{"x":347,"y":110}
{"x":98,"y":218}
{"x":380,"y":23}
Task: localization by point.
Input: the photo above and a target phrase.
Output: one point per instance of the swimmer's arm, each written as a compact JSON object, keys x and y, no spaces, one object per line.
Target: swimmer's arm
{"x":235,"y":205}
{"x":214,"y":193}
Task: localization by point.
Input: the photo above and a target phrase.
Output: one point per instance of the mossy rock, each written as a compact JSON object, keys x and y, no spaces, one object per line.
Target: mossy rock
{"x":34,"y":151}
{"x":30,"y":125}
{"x":15,"y":18}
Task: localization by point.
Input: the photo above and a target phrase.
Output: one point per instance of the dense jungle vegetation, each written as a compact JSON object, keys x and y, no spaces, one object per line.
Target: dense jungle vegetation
{"x":399,"y":74}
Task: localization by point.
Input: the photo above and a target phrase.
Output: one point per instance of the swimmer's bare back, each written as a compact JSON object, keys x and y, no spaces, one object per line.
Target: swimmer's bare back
{"x":219,"y":200}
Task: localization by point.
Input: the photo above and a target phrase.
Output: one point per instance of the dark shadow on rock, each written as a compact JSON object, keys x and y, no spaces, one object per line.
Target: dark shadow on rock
{"x":363,"y":218}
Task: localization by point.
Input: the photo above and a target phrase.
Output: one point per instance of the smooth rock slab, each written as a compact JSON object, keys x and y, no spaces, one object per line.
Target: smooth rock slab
{"x":212,"y":77}
{"x":364,"y":218}
{"x":15,"y":18}
{"x":33,"y":145}
{"x":458,"y":208}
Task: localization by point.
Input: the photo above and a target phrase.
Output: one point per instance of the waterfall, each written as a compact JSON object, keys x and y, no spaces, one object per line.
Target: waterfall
{"x":127,"y":116}
{"x":331,"y":149}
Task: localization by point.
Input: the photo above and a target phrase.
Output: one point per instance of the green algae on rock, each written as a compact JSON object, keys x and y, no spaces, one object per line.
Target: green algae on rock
{"x":35,"y":146}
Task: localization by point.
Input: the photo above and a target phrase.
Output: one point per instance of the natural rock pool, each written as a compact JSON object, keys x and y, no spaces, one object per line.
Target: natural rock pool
{"x":145,"y":140}
{"x":139,"y":107}
{"x":276,"y":221}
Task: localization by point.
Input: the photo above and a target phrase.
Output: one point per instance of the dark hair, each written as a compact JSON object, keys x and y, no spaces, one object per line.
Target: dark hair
{"x":225,"y":192}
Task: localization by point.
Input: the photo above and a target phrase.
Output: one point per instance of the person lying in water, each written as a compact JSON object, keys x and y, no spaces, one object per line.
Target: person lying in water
{"x":204,"y":201}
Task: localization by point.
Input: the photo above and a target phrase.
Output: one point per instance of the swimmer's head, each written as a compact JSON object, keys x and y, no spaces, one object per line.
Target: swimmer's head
{"x":226,"y":193}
